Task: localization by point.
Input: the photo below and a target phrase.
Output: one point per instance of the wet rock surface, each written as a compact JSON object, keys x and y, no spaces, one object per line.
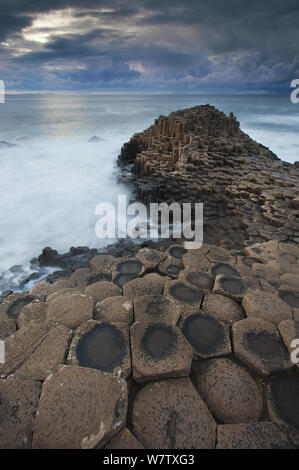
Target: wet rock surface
{"x":223,"y":315}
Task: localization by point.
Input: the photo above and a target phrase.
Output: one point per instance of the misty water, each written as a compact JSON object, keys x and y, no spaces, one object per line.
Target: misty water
{"x":52,"y":180}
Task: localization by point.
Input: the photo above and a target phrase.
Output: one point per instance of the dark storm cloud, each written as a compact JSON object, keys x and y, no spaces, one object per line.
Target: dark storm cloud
{"x":183,"y":44}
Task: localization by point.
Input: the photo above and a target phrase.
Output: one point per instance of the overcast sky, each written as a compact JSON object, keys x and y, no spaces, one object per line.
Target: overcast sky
{"x":185,"y":46}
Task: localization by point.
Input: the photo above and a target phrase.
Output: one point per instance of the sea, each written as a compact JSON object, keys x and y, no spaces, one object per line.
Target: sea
{"x":61,"y":160}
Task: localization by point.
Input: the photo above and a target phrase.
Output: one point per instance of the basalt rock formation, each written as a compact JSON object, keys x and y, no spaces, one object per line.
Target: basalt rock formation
{"x":168,"y":348}
{"x":201,"y":155}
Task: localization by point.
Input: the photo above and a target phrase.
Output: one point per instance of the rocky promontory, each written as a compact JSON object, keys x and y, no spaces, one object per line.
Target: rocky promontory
{"x":163,"y":347}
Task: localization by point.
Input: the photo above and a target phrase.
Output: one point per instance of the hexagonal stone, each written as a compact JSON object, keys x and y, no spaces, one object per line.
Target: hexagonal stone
{"x":196,"y":278}
{"x":217,"y":254}
{"x":266,"y":306}
{"x":42,"y":288}
{"x":12,"y":305}
{"x":283,"y":401}
{"x":183,"y":294}
{"x":70,"y":310}
{"x":102,"y":290}
{"x":229,"y":391}
{"x":103,"y":346}
{"x":222,"y":308}
{"x":196,"y":259}
{"x":150,"y":258}
{"x":60,"y":292}
{"x":171,"y":267}
{"x":50,"y":353}
{"x":159,"y":351}
{"x":207,"y":336}
{"x":290,"y":280}
{"x":20,"y":345}
{"x":80,"y":278}
{"x":222,"y":268}
{"x":264,"y":435}
{"x":115,"y":309}
{"x":290,"y":295}
{"x":18,"y":403}
{"x":125,"y":270}
{"x":176,"y":251}
{"x":156,"y":308}
{"x":143,"y":286}
{"x":124,"y":440}
{"x":79,"y":408}
{"x":35,"y":311}
{"x":232,"y":287}
{"x":102,"y":263}
{"x":258,"y":345}
{"x":171,"y":415}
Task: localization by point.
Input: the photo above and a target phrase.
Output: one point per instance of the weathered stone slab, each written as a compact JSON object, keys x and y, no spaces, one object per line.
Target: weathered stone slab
{"x":124,"y":440}
{"x":171,"y":415}
{"x":35,"y":311}
{"x":12,"y":305}
{"x":183,"y":294}
{"x":156,"y":308}
{"x":42,"y":288}
{"x":143,"y":286}
{"x":102,"y":345}
{"x":79,"y":408}
{"x":229,"y":391}
{"x":198,"y":279}
{"x":71,"y":310}
{"x":159,"y":351}
{"x":232,"y":287}
{"x":102,"y":263}
{"x":258,"y":345}
{"x":222,"y":308}
{"x":18,"y":403}
{"x":149,"y":258}
{"x":102,"y":290}
{"x":283,"y":402}
{"x":266,"y":305}
{"x":7,"y":328}
{"x":115,"y":309}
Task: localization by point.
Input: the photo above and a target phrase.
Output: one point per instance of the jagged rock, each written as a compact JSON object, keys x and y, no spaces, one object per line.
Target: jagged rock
{"x":159,"y":351}
{"x":79,"y":408}
{"x":266,"y":306}
{"x":115,"y":309}
{"x":207,"y":336}
{"x":171,"y":415}
{"x":71,"y":310}
{"x":156,"y":308}
{"x":264,"y":435}
{"x":222,"y":308}
{"x":102,"y":345}
{"x":258,"y":345}
{"x":229,"y":391}
{"x":19,"y":399}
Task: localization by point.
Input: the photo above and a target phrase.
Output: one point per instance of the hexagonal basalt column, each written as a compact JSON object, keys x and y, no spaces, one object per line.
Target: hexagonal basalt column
{"x":159,"y":351}
{"x":103,"y":346}
{"x":12,"y":306}
{"x":290,"y":295}
{"x":150,"y":258}
{"x":225,"y":269}
{"x":126,"y":270}
{"x":266,"y":305}
{"x":115,"y":309}
{"x":258,"y":344}
{"x":283,"y":402}
{"x":176,"y":251}
{"x":171,"y":415}
{"x":229,"y":391}
{"x":222,"y":308}
{"x":207,"y":336}
{"x":232,"y":287}
{"x":143,"y":286}
{"x":171,"y":267}
{"x":198,"y":279}
{"x":102,"y":290}
{"x":156,"y":308}
{"x":184,"y":294}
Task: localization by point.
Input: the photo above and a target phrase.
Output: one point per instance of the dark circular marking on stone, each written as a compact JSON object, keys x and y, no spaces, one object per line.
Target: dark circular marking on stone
{"x":121,"y":279}
{"x":101,"y":348}
{"x":203,"y":333}
{"x":129,"y":267}
{"x":200,"y":280}
{"x":172,"y":269}
{"x":185,"y":293}
{"x":158,"y":341}
{"x":177,"y":251}
{"x":265,"y":346}
{"x":15,"y":309}
{"x":290,"y":297}
{"x":285,"y":394}
{"x":156,"y":307}
{"x":233,"y":285}
{"x":226,"y":269}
